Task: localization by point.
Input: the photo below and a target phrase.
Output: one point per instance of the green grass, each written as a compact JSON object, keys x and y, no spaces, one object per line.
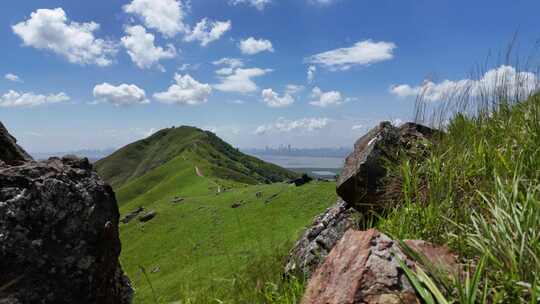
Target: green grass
{"x":478,"y":192}
{"x":205,"y":250}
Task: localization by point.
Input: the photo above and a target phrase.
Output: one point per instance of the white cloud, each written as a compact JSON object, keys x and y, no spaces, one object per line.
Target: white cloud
{"x":239,"y":80}
{"x":259,"y":4}
{"x":124,"y":94}
{"x":311,"y":73}
{"x":186,"y":91}
{"x":165,"y":16}
{"x":12,"y":77}
{"x":50,"y":29}
{"x":283,"y":125}
{"x":361,"y":53}
{"x":252,"y":46}
{"x":325,"y":99}
{"x":231,"y":62}
{"x":505,"y":77}
{"x":188,"y":67}
{"x":206,"y":31}
{"x":357,"y":127}
{"x":273,"y":100}
{"x":140,"y":47}
{"x":236,"y":101}
{"x":294,"y":89}
{"x":30,"y":99}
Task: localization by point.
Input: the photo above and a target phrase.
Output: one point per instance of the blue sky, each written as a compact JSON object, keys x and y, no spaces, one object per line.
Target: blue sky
{"x":99,"y":74}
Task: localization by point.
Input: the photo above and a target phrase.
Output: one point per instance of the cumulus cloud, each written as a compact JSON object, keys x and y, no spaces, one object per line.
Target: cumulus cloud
{"x":311,"y":73}
{"x":165,"y":16}
{"x":50,"y":29}
{"x":283,"y":125}
{"x":186,"y":91}
{"x":230,"y":62}
{"x":259,"y":4}
{"x":505,"y":78}
{"x":273,"y":100}
{"x":188,"y":67}
{"x":252,"y":46}
{"x":124,"y":94}
{"x":207,"y":31}
{"x":325,"y":99}
{"x":361,"y":53}
{"x":142,"y":50}
{"x":294,"y":89}
{"x":30,"y":99}
{"x":239,"y":80}
{"x":12,"y":77}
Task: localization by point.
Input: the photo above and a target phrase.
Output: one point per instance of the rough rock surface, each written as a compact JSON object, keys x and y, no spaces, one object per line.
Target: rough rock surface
{"x":59,"y":238}
{"x":363,"y":268}
{"x":361,"y":182}
{"x":133,"y":214}
{"x":318,"y":240}
{"x":147,"y":216}
{"x":10,"y":152}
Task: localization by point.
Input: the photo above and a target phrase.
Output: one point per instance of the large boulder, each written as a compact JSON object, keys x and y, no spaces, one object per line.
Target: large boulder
{"x":10,"y":152}
{"x":59,"y":240}
{"x":362,"y":181}
{"x":364,"y":268}
{"x":319,"y":239}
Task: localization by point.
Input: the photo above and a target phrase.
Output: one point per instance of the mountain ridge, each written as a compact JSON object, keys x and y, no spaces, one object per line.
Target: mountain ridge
{"x":140,"y":157}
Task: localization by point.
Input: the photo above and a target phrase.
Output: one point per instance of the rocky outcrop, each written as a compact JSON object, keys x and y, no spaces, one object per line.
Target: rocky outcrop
{"x":147,"y":216}
{"x":362,"y":180}
{"x":304,"y":179}
{"x":59,"y":240}
{"x":319,"y":239}
{"x":10,"y":152}
{"x":364,"y":268}
{"x":133,"y":214}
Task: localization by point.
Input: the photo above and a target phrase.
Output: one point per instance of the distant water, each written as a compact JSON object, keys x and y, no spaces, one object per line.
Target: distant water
{"x":293,"y":162}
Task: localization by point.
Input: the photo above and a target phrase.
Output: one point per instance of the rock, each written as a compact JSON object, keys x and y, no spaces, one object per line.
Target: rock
{"x":177,"y":200}
{"x":147,"y":216}
{"x":363,"y":268}
{"x":236,"y":205}
{"x":319,"y":239}
{"x":269,"y":199}
{"x":304,"y":179}
{"x":361,"y":182}
{"x":133,"y":214}
{"x":59,"y":239}
{"x":10,"y":152}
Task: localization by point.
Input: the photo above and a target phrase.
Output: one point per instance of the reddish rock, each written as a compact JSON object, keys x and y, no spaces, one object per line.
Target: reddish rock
{"x":363,"y":268}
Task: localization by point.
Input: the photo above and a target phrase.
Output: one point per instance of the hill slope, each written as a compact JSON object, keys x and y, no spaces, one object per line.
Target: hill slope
{"x":191,"y":248}
{"x":226,"y":162}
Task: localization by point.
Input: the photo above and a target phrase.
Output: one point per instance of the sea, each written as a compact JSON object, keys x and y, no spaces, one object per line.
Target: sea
{"x":326,"y":167}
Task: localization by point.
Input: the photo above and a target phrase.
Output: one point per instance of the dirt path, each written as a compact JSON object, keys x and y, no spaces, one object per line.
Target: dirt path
{"x":200,"y":174}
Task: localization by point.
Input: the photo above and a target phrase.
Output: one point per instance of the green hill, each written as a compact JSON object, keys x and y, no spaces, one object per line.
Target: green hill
{"x":203,"y":249}
{"x":138,"y":158}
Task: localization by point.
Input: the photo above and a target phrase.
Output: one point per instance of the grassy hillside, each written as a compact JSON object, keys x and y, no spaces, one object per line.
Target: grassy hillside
{"x":479,"y":192}
{"x":205,"y":249}
{"x":138,"y":158}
